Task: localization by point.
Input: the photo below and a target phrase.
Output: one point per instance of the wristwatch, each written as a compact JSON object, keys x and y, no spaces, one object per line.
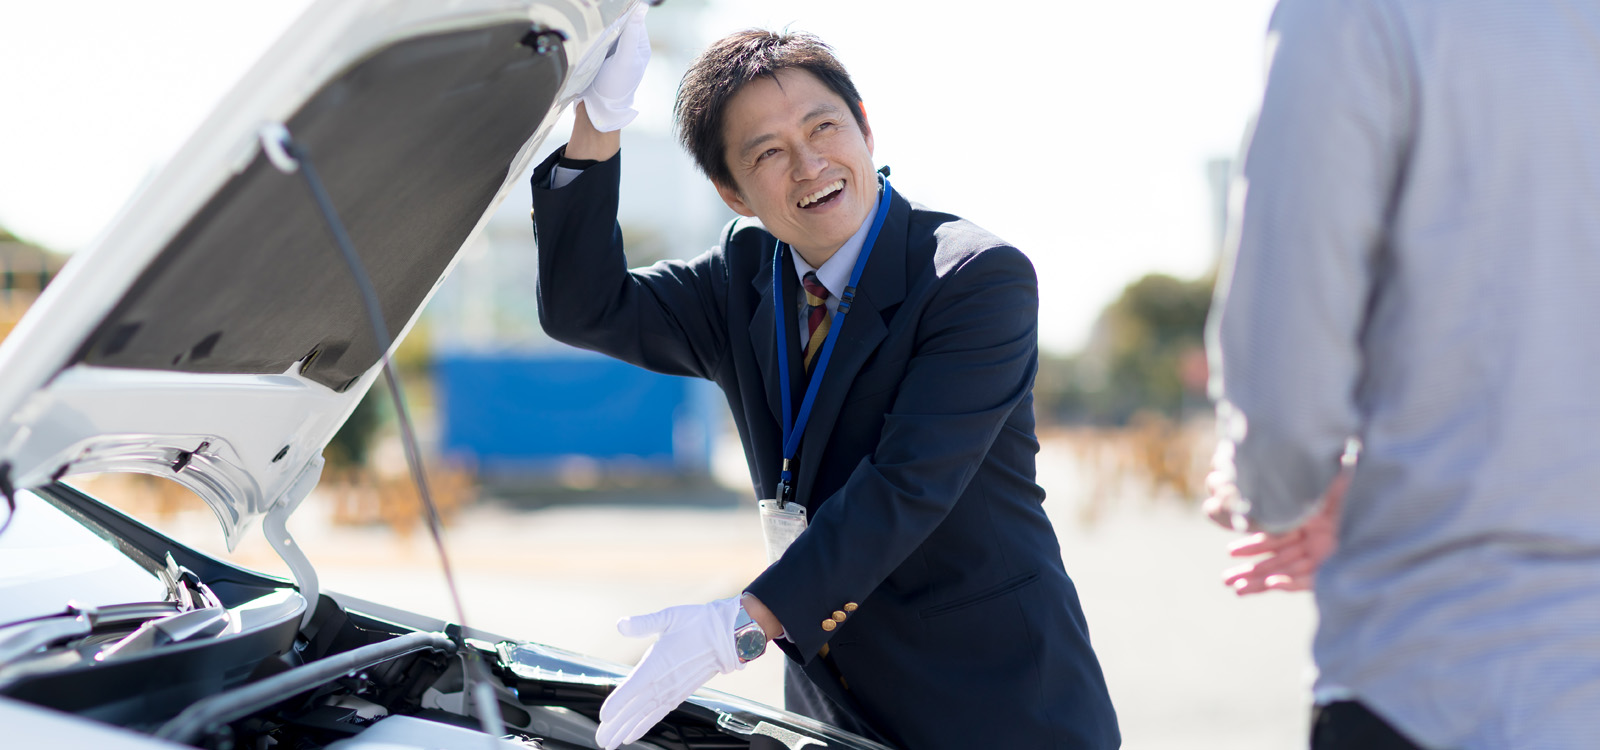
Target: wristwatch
{"x":749,"y":640}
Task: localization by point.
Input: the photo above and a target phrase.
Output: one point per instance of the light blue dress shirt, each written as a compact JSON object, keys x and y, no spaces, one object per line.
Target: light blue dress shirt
{"x":834,"y":274}
{"x":1415,"y":262}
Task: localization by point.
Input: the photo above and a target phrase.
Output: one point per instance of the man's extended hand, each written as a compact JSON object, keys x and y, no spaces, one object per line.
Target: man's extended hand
{"x":1290,"y":559}
{"x":695,"y":644}
{"x":609,"y":98}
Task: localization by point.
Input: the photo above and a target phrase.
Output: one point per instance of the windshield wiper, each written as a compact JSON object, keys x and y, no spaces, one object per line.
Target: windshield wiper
{"x":24,"y":637}
{"x":185,"y":589}
{"x":191,"y":611}
{"x":42,"y":633}
{"x":200,"y":615}
{"x":184,"y":626}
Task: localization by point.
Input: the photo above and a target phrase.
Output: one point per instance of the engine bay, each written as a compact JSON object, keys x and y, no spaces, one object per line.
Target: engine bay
{"x":229,"y":660}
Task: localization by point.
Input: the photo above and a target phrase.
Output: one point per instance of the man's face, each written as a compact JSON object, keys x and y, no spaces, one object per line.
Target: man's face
{"x":800,"y":162}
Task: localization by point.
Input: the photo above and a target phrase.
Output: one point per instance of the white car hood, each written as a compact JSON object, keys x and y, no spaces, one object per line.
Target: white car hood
{"x":212,"y":334}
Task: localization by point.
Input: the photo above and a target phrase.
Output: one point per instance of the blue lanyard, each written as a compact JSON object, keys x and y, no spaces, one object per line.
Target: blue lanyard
{"x":795,"y":426}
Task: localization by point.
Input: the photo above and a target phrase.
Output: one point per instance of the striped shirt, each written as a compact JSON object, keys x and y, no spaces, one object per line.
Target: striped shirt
{"x":1414,"y":261}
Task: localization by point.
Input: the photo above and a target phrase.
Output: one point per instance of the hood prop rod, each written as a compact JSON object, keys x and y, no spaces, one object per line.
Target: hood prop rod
{"x":276,"y":527}
{"x":288,"y":156}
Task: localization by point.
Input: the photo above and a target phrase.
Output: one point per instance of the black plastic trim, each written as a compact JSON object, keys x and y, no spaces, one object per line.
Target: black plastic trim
{"x":232,"y":584}
{"x":226,"y":707}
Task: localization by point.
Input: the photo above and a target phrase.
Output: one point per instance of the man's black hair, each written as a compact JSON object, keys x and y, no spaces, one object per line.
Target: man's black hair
{"x":730,"y":63}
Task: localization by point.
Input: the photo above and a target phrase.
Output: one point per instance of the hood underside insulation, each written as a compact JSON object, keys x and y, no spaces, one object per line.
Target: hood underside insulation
{"x":413,"y":143}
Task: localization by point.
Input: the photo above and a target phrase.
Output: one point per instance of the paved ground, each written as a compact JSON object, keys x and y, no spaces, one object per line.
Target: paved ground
{"x":1189,"y":665}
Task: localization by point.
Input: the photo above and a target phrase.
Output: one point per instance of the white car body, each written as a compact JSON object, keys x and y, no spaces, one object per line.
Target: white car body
{"x":212,"y":336}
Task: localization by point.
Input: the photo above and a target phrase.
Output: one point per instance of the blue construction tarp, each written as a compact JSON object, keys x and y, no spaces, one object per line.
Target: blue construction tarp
{"x":527,"y":414}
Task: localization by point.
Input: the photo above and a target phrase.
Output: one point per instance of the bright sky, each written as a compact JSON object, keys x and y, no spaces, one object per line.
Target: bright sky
{"x":1077,"y":130}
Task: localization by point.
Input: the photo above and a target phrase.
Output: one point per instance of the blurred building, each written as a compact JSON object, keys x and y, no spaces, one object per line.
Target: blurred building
{"x":521,"y":406}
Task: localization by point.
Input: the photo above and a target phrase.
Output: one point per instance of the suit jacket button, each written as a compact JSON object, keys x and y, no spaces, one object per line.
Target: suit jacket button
{"x":851,"y":607}
{"x":829,"y":625}
{"x":838,"y":616}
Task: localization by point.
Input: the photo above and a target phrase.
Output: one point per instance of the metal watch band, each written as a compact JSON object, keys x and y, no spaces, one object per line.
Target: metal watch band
{"x":749,"y":639}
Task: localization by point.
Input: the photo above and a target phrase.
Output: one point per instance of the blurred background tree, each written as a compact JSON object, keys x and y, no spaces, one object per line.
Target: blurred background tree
{"x":25,"y":269}
{"x":351,"y":446}
{"x":1145,"y":354}
{"x":1132,"y":404}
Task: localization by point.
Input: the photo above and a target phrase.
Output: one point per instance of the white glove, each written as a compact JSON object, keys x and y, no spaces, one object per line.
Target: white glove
{"x":609,"y":98}
{"x":696,"y":644}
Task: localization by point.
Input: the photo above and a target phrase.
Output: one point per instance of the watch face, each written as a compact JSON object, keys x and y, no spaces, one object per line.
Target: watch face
{"x":750,"y":643}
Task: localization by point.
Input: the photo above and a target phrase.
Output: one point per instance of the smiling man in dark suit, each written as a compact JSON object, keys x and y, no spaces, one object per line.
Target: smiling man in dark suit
{"x":925,"y":603}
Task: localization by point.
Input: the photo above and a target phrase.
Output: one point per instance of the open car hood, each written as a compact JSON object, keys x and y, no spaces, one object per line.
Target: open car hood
{"x":213,"y":334}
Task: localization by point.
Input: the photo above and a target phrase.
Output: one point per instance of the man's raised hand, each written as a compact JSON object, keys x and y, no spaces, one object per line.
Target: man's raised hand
{"x":609,"y":98}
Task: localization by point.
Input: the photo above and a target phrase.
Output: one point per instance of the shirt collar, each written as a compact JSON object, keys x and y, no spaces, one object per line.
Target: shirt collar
{"x":835,"y":271}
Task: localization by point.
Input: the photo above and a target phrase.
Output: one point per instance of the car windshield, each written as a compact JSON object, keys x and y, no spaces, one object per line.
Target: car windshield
{"x":48,"y":559}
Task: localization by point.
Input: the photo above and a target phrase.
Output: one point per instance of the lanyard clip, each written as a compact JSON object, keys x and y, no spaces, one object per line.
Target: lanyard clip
{"x":785,"y":487}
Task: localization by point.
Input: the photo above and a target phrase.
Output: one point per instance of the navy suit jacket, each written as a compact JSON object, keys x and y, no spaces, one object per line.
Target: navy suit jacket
{"x":916,"y":470}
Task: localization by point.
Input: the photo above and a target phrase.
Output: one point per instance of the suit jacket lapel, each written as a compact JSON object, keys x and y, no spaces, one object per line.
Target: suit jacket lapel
{"x":882,"y":286}
{"x":763,"y":335}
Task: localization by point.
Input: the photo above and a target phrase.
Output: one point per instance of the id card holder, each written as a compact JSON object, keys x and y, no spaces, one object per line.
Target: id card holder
{"x":780,"y":526}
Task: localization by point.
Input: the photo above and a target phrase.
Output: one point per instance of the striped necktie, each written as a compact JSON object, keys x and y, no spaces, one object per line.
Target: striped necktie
{"x":816,"y":316}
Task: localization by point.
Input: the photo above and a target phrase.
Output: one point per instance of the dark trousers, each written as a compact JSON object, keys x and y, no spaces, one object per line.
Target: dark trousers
{"x":803,"y":698}
{"x":1348,"y":725}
